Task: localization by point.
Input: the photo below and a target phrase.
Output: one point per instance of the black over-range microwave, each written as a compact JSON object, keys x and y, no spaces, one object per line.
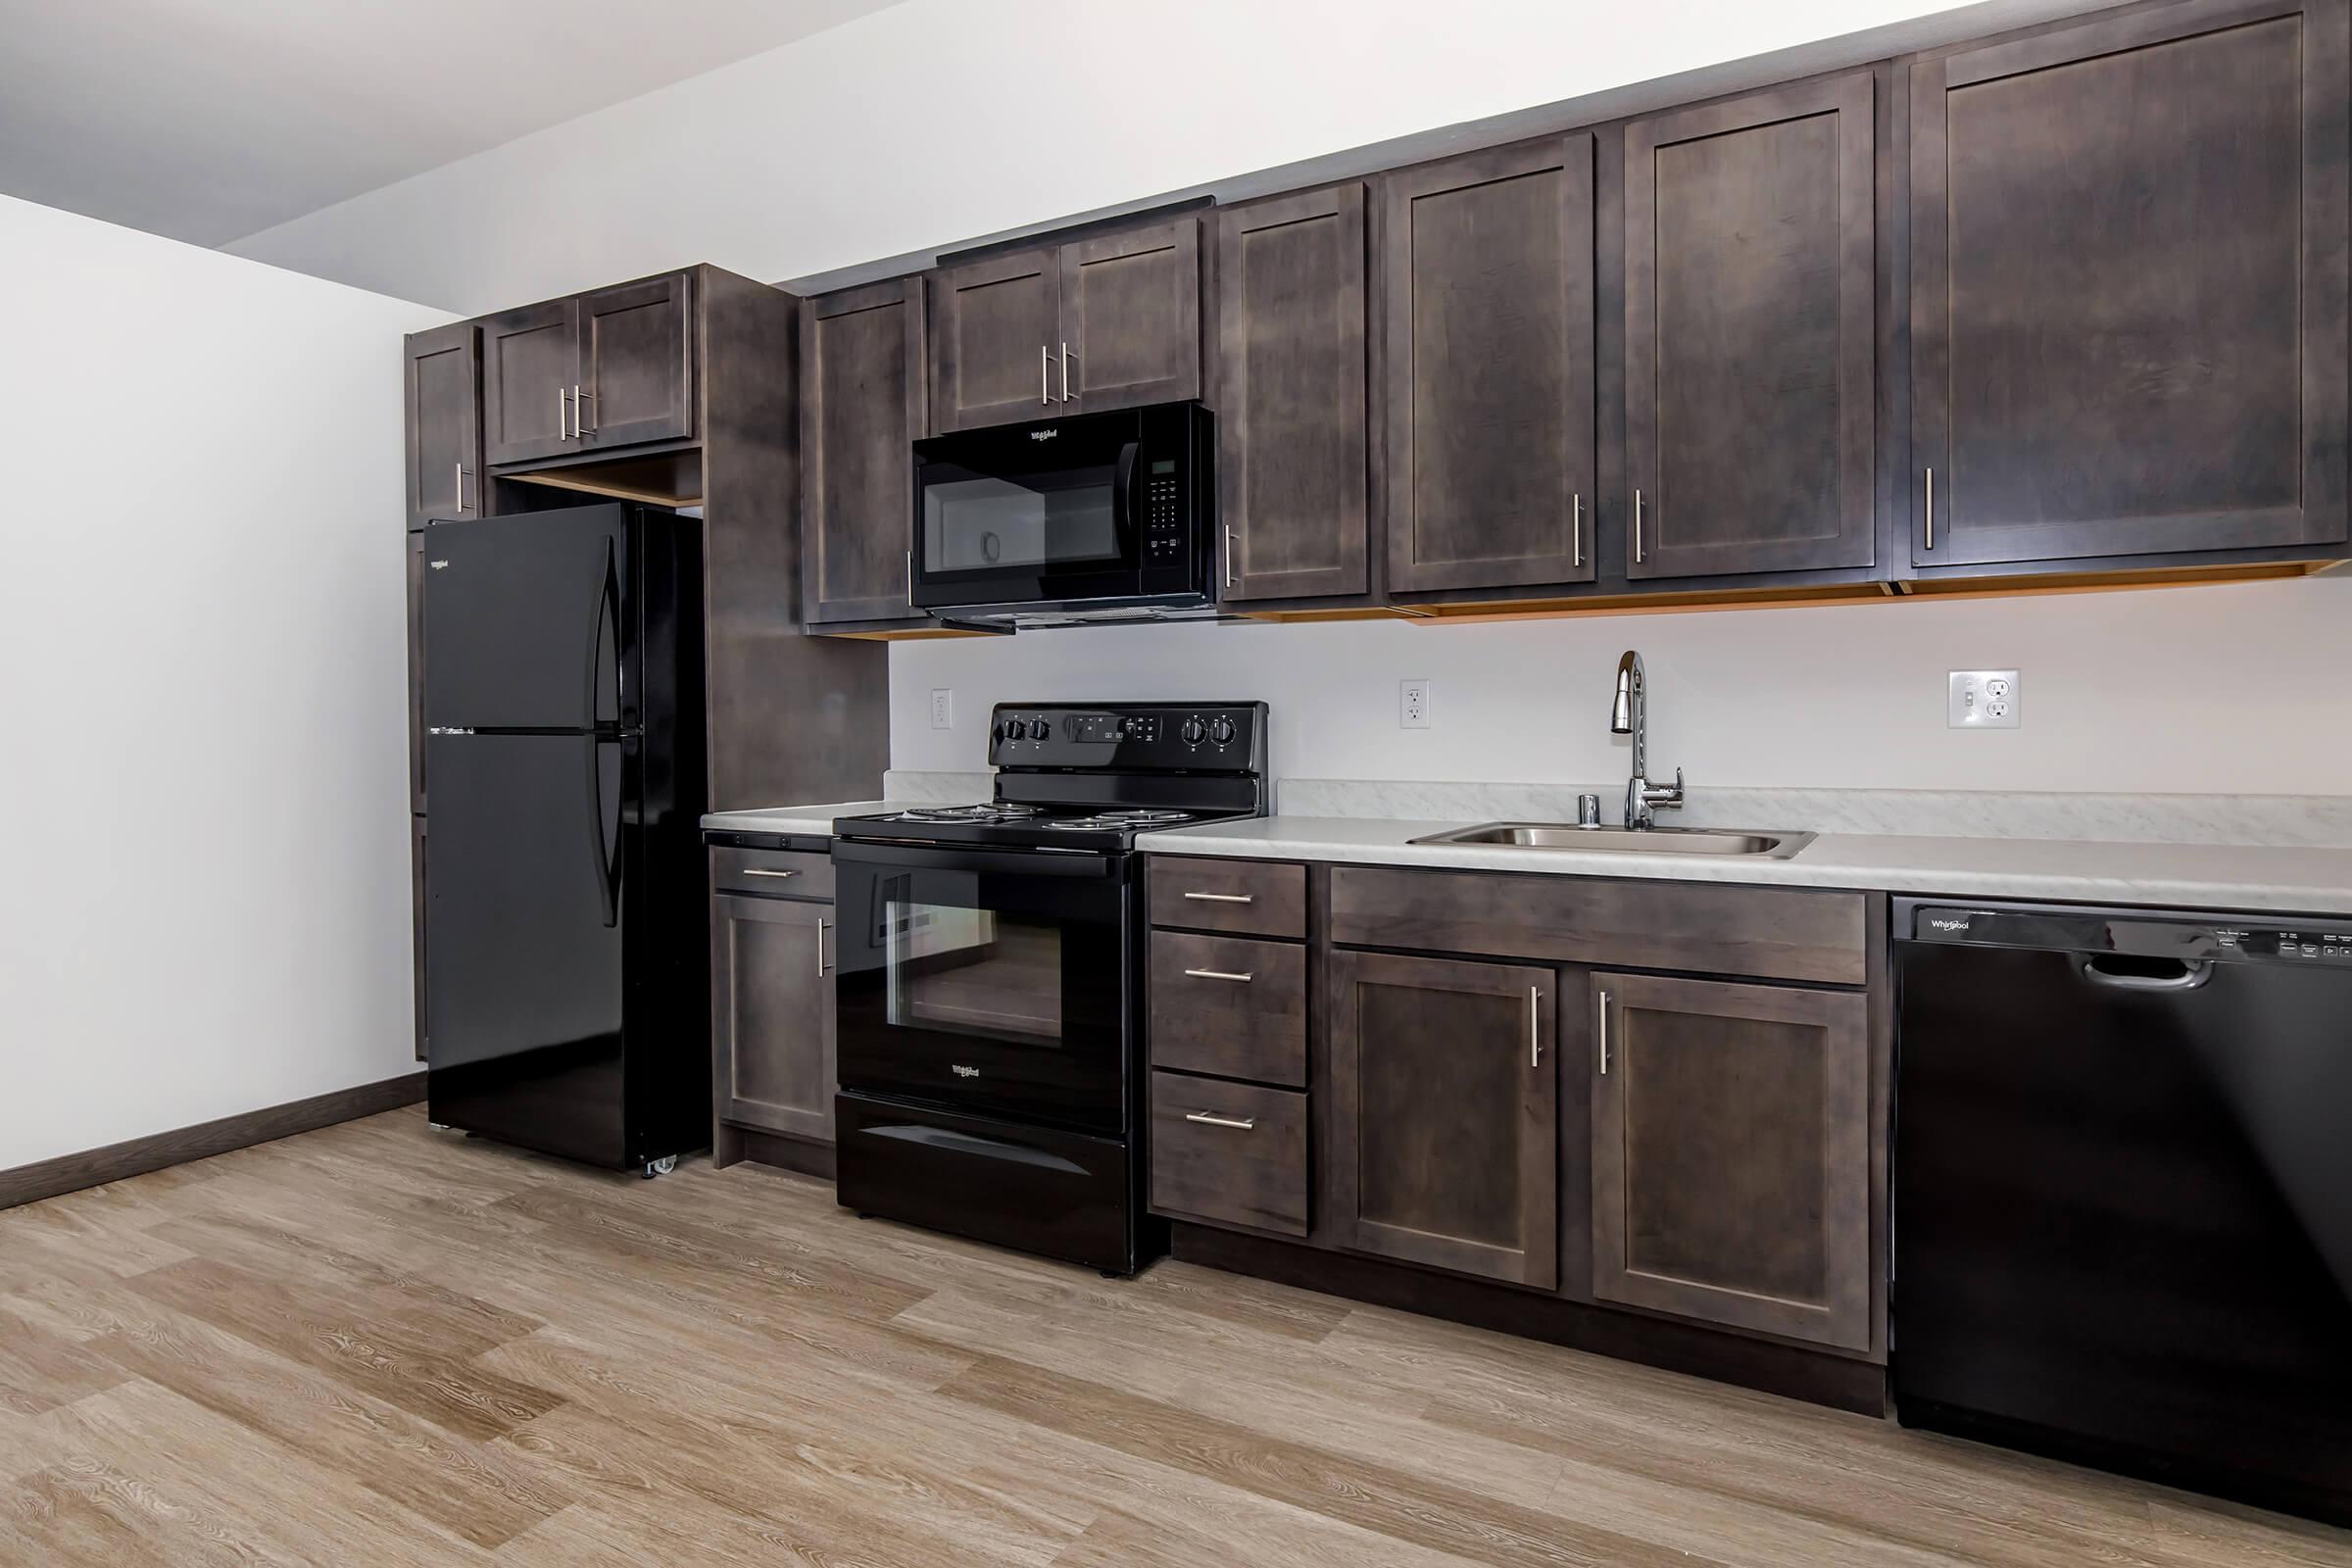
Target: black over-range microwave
{"x":1088,"y":518}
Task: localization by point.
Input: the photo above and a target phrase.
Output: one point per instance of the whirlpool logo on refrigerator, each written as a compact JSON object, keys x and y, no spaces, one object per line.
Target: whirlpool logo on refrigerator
{"x":961,"y":1072}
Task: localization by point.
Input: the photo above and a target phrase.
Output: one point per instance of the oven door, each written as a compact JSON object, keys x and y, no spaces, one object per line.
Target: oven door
{"x":994,"y":982}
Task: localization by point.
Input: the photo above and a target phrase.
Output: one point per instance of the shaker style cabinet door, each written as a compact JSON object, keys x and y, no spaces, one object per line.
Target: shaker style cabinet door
{"x":1490,"y":390}
{"x":1293,"y":442}
{"x":1750,"y":327}
{"x":862,"y":402}
{"x":2127,"y":285}
{"x":772,"y":1023}
{"x":1444,"y":1118}
{"x":530,"y":363}
{"x":636,"y":380}
{"x":443,"y":396}
{"x":1730,"y":1155}
{"x":1131,"y":318}
{"x":996,"y":336}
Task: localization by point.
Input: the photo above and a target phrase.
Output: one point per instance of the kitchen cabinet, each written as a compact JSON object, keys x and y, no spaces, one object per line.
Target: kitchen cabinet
{"x":1489,"y":379}
{"x":2127,"y":287}
{"x":773,"y":1018}
{"x":1750,"y":333}
{"x":1445,"y":1113}
{"x":416,"y":571}
{"x":1110,"y":321}
{"x":416,"y":833}
{"x":442,"y":390}
{"x":1231,"y":1153}
{"x":1294,"y":432}
{"x":862,"y":398}
{"x":1732,"y":1155}
{"x":611,"y":369}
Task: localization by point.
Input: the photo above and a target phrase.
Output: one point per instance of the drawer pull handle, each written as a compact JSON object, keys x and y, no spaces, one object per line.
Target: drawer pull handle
{"x":1210,"y":1118}
{"x":762,"y":870}
{"x":1224,"y":897}
{"x":1219,"y":974}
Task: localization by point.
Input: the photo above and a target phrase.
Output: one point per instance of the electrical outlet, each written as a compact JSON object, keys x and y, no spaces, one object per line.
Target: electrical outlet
{"x":942,"y":707}
{"x":1982,"y":699}
{"x":1412,"y":705}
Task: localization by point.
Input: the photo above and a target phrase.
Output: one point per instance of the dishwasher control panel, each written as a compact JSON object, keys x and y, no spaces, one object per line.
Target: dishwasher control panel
{"x":2143,"y":934}
{"x":2316,"y":943}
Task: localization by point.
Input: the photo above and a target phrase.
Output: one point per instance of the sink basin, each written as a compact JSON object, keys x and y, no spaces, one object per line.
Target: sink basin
{"x":1766,"y":846}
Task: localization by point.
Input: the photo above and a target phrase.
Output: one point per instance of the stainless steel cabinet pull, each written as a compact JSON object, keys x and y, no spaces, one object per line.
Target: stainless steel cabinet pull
{"x":1604,"y":1034}
{"x":762,"y":870}
{"x":1228,"y":556}
{"x":910,"y":578}
{"x":460,"y":468}
{"x":1576,"y":531}
{"x":579,"y":409}
{"x":1223,"y":898}
{"x":1637,"y":528}
{"x":1045,"y":373}
{"x":820,"y":945}
{"x":1208,"y":1118}
{"x":1065,"y":372}
{"x":562,"y":413}
{"x":1535,"y":1026}
{"x":1219,"y":974}
{"x":1931,"y":508}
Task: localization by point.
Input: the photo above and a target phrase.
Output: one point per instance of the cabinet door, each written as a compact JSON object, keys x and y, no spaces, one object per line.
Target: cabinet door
{"x":771,"y":1008}
{"x":862,"y":402}
{"x":636,"y":363}
{"x":1490,"y":381}
{"x":996,"y":332}
{"x":1131,"y":318}
{"x":443,"y":397}
{"x":417,"y":569}
{"x":1730,"y":1155}
{"x":1294,"y":454}
{"x":417,"y":931}
{"x":1446,"y":1114}
{"x":1751,"y":325}
{"x":2127,"y":282}
{"x":530,"y":362}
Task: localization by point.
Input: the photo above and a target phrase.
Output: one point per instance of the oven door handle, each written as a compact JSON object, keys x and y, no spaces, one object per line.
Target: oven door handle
{"x":849,"y":854}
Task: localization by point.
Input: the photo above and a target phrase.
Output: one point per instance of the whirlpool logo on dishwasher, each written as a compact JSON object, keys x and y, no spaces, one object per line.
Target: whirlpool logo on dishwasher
{"x":1958,"y":922}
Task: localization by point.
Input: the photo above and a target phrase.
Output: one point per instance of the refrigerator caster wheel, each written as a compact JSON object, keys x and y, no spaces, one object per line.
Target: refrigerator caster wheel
{"x":661,"y":1167}
{"x":438,"y":1126}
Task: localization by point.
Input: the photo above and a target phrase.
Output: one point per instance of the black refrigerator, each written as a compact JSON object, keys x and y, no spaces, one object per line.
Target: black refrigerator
{"x":566,"y":937}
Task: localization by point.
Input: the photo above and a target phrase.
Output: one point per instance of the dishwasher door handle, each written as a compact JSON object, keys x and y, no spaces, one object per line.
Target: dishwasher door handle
{"x":2195,"y":972}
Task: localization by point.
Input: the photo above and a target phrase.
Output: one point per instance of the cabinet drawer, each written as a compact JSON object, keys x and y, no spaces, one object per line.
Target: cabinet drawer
{"x":1778,"y":933}
{"x":1229,"y":1152}
{"x":772,"y":873}
{"x":1262,"y":898}
{"x":1229,"y":1006}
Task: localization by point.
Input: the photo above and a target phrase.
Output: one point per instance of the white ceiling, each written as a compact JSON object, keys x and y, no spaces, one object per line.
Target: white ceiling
{"x":211,"y":120}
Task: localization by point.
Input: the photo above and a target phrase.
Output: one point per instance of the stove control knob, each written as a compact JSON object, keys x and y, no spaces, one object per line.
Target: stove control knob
{"x":1014,"y":729}
{"x":1221,"y":732}
{"x":1040,"y":729}
{"x":1192,"y":732}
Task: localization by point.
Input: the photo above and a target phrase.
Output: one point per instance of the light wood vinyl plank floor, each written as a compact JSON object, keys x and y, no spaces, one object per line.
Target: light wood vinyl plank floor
{"x":380,"y":1344}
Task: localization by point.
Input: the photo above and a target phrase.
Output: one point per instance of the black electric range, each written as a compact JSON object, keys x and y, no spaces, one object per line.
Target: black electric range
{"x":989,"y":980}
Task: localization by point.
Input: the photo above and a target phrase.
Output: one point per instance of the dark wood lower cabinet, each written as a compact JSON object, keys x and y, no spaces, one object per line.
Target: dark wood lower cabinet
{"x":1444,"y":1114}
{"x":1730,"y":1155}
{"x":773,"y":1021}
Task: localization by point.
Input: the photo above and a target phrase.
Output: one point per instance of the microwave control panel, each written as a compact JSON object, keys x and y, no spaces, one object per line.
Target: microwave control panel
{"x":1163,"y":504}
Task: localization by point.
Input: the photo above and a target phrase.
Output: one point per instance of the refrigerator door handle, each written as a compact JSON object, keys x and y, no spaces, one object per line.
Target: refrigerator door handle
{"x":608,"y":613}
{"x":608,"y":860}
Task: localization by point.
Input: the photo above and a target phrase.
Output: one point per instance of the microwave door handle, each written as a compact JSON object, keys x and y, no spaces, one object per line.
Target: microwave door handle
{"x":1124,"y":508}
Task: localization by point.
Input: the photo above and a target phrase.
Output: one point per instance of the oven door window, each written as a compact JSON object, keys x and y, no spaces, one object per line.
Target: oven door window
{"x":993,"y":977}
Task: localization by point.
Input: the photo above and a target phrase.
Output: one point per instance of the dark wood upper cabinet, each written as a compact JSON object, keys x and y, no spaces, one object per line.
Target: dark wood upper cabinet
{"x":862,"y":403}
{"x":636,"y":363}
{"x":772,"y":1020}
{"x":1444,"y":1114}
{"x":1750,"y":327}
{"x":1730,"y":1155}
{"x":2127,"y":283}
{"x":995,"y":332}
{"x":1131,"y":317}
{"x":1489,"y":277}
{"x":442,"y":388}
{"x":1292,"y":441}
{"x":530,"y":362}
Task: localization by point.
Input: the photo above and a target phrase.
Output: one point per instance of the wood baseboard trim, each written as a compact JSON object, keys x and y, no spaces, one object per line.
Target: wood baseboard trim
{"x":70,"y":1173}
{"x":1797,"y":1374}
{"x":805,"y":1155}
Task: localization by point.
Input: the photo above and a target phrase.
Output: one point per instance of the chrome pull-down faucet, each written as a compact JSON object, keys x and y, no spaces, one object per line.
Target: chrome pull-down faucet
{"x":1629,"y":715}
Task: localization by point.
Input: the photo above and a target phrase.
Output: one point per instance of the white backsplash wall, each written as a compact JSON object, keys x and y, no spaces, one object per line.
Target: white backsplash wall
{"x":2242,"y":688}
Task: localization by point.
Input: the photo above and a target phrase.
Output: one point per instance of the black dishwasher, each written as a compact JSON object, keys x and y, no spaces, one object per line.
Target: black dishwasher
{"x":2123,"y":1199}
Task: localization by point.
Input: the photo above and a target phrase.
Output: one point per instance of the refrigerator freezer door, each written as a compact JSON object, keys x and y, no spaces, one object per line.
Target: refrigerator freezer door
{"x":527,"y":619}
{"x":524,"y":939}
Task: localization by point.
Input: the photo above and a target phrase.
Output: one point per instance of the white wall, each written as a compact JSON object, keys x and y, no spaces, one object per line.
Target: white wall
{"x":2239,"y":688}
{"x":204,"y":877}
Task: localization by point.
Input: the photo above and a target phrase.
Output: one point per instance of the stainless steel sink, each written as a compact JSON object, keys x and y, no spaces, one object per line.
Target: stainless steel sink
{"x":1772,"y":846}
